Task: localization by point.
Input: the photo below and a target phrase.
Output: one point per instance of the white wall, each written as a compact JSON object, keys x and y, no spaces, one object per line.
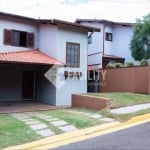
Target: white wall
{"x":95,"y":59}
{"x":121,"y":45}
{"x":48,"y":35}
{"x":97,"y":38}
{"x":108,"y":45}
{"x":52,"y":41}
{"x":97,"y":44}
{"x":71,"y":86}
{"x":22,"y":26}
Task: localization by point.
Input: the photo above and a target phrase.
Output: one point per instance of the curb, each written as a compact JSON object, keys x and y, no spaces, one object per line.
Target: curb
{"x":78,"y":135}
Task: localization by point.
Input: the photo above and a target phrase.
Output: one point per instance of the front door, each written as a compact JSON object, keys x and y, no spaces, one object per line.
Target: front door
{"x":28,"y":85}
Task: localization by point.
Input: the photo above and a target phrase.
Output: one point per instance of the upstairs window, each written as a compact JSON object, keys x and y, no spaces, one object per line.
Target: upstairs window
{"x":108,"y":36}
{"x":72,"y":54}
{"x":18,"y":38}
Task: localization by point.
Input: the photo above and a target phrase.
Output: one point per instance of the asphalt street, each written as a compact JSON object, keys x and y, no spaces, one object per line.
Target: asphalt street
{"x":134,"y":138}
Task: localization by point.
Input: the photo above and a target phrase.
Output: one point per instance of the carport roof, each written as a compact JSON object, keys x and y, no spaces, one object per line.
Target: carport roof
{"x":28,"y":57}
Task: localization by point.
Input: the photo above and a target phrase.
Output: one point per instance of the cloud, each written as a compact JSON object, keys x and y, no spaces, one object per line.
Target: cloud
{"x":73,"y":2}
{"x":117,"y":10}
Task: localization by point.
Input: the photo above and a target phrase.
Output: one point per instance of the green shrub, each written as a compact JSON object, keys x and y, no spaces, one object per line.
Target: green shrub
{"x":144,"y":62}
{"x":130,"y":64}
{"x":109,"y":65}
{"x":118,"y":65}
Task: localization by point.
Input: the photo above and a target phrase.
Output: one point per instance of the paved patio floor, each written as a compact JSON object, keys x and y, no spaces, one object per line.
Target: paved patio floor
{"x":24,"y":106}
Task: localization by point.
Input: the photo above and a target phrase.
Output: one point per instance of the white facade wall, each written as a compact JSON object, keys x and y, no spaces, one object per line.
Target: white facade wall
{"x":71,"y":86}
{"x":121,"y":44}
{"x":97,"y":38}
{"x":48,"y":36}
{"x":21,"y":26}
{"x":52,"y":40}
{"x":96,"y":47}
{"x":95,"y":60}
{"x":108,"y":45}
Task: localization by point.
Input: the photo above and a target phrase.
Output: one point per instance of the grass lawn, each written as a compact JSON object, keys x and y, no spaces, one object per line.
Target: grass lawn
{"x":124,"y":99}
{"x":13,"y":132}
{"x":78,"y":120}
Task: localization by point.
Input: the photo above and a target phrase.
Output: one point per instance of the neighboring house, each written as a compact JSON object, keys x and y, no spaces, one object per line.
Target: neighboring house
{"x":34,"y":50}
{"x":112,"y":44}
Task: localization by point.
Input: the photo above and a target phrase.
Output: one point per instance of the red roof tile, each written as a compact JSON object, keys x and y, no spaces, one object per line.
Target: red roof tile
{"x":28,"y":57}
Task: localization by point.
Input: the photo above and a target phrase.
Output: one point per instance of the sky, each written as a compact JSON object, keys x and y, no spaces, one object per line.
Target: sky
{"x":70,"y":10}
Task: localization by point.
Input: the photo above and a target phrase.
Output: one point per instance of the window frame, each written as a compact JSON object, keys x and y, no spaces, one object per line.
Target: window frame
{"x":9,"y":38}
{"x":78,"y":55}
{"x":107,"y":35}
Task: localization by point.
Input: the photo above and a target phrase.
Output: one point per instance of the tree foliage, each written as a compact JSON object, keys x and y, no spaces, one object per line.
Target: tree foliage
{"x":140,"y":46}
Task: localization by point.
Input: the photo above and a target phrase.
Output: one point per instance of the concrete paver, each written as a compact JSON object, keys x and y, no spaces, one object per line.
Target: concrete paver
{"x":38,"y":126}
{"x":59,"y":123}
{"x":47,"y":117}
{"x":52,"y":119}
{"x":67,"y":128}
{"x":32,"y":122}
{"x":21,"y":117}
{"x":107,"y":119}
{"x":96,"y":116}
{"x":28,"y":119}
{"x":45,"y":132}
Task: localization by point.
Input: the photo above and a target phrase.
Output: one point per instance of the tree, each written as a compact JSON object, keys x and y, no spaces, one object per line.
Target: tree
{"x":140,"y":42}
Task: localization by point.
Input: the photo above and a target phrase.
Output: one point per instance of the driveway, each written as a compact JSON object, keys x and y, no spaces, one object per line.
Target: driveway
{"x":24,"y":106}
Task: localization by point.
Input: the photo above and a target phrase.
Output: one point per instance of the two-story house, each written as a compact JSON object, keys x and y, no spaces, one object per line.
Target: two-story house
{"x":112,"y":44}
{"x":42,"y":60}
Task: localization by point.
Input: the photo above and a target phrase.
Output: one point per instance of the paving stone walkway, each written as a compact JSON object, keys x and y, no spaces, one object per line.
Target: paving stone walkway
{"x":93,"y":115}
{"x":60,"y":124}
{"x":37,"y":121}
{"x":130,"y":109}
{"x":39,"y":126}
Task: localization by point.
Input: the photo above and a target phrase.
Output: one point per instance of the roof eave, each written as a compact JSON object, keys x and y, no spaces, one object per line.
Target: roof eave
{"x":16,"y":16}
{"x":90,"y":29}
{"x":53,"y":21}
{"x":104,"y":21}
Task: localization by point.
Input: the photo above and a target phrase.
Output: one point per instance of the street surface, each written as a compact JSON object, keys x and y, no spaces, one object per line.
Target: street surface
{"x":134,"y":138}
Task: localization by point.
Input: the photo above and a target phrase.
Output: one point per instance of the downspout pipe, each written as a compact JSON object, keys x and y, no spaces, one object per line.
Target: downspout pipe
{"x":91,"y":34}
{"x":103,"y":38}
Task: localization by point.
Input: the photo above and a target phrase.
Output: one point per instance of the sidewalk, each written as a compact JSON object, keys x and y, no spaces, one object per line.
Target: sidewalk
{"x":78,"y":135}
{"x":130,"y":109}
